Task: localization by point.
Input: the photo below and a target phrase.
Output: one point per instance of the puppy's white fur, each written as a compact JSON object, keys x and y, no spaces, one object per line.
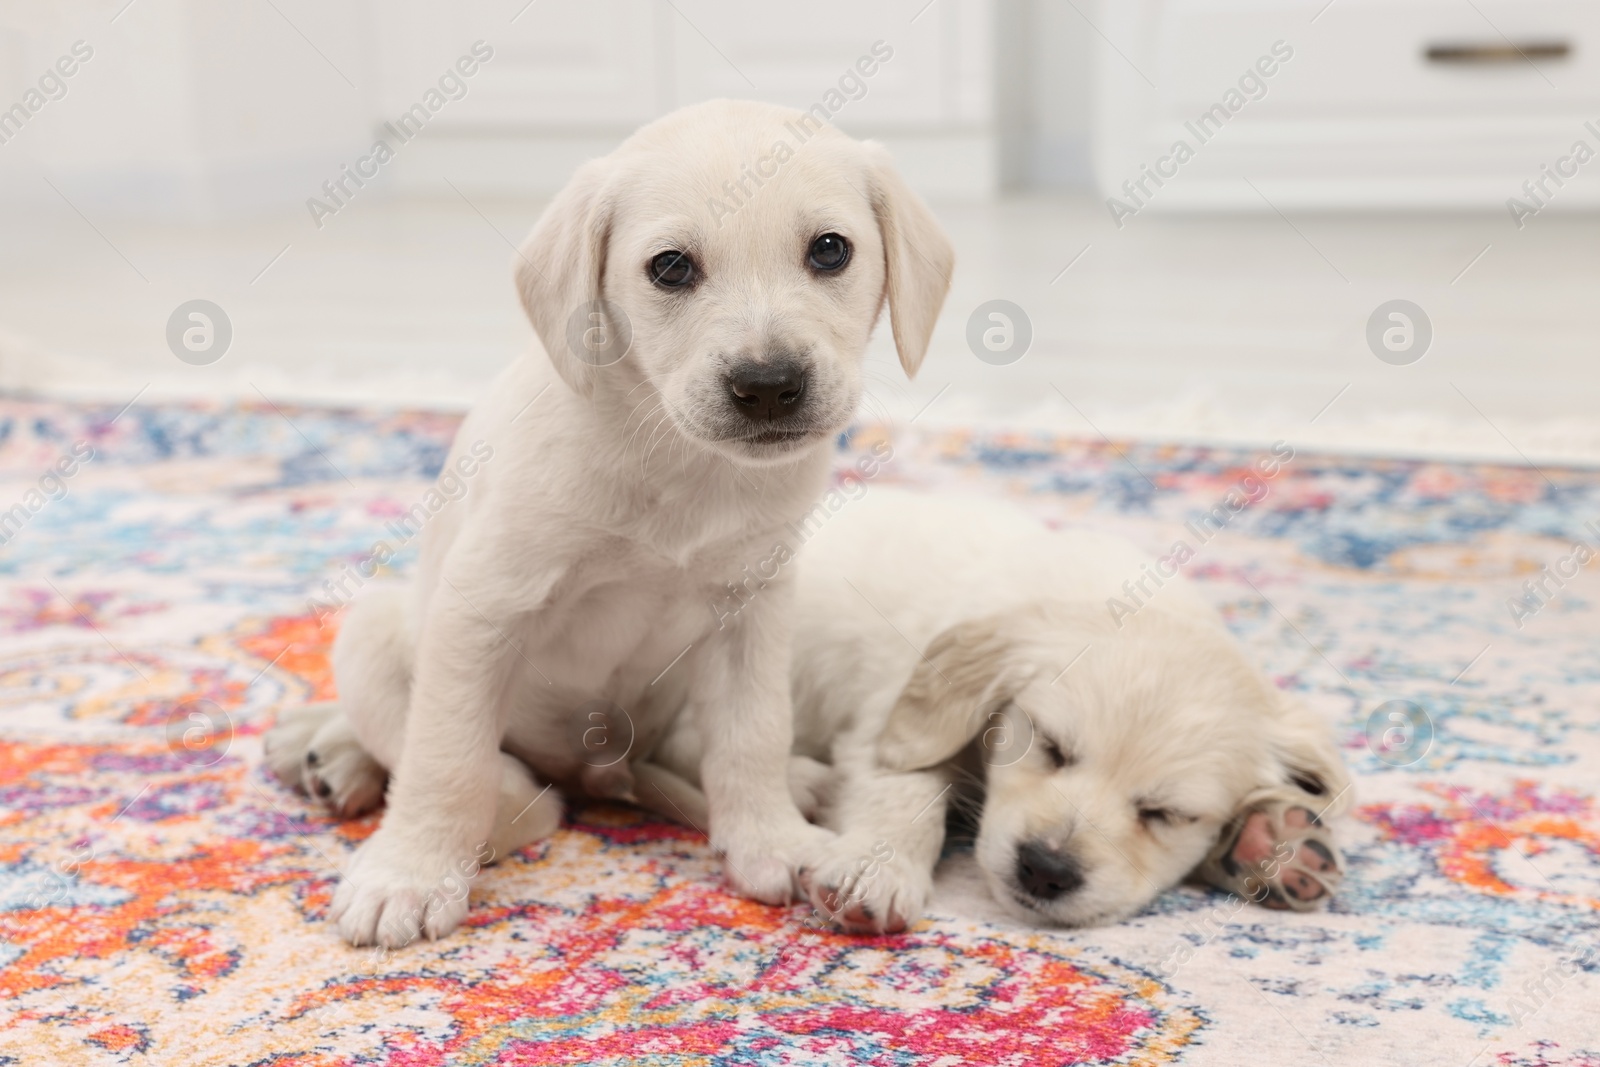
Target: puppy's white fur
{"x":581,"y":568}
{"x":951,"y":647}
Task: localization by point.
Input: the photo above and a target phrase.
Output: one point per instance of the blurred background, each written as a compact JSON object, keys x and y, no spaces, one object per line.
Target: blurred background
{"x":1352,"y":224}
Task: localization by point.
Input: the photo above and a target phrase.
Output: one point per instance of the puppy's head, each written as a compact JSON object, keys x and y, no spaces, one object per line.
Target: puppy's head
{"x":1106,"y":784}
{"x":723,"y":269}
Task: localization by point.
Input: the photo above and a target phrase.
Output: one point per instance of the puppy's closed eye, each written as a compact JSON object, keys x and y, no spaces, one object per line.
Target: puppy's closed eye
{"x":1309,"y":782}
{"x":1059,"y":756}
{"x":1155,"y":816}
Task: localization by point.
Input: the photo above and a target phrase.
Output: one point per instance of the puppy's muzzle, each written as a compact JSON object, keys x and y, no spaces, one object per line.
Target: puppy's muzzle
{"x":768,"y":393}
{"x":1045,"y":873}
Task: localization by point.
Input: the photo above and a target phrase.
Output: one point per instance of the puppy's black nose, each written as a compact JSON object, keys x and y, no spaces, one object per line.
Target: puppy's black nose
{"x":1045,"y":873}
{"x":767,"y":391}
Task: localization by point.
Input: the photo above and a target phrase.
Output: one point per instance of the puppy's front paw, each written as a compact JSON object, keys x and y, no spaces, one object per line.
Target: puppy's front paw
{"x":764,"y":866}
{"x":866,"y":887}
{"x":1277,"y":852}
{"x":395,"y":892}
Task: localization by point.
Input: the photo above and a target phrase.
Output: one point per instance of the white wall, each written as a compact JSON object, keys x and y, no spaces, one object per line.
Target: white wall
{"x":184,"y":109}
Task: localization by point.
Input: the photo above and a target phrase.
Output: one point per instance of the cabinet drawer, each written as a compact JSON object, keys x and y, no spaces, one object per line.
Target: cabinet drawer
{"x":1364,"y":57}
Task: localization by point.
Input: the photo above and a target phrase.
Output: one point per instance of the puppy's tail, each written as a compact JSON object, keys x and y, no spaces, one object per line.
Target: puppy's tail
{"x":524,"y":812}
{"x":672,"y":797}
{"x":666,"y":794}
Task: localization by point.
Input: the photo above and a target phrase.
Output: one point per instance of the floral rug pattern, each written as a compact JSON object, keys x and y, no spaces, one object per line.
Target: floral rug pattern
{"x":161,"y":895}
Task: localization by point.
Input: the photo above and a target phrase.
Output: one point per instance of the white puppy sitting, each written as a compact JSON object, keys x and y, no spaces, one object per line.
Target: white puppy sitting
{"x":958,"y":648}
{"x":696,"y":364}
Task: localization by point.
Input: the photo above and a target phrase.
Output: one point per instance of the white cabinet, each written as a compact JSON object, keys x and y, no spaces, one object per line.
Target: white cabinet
{"x":557,"y":64}
{"x":571,"y":78}
{"x":1382,"y":103}
{"x":193,"y":109}
{"x":794,"y":54}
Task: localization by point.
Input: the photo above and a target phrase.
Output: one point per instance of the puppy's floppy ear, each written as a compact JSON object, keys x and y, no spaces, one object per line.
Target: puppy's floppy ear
{"x":969,"y":672}
{"x":558,"y":269}
{"x":918,"y":258}
{"x":1307,"y":756}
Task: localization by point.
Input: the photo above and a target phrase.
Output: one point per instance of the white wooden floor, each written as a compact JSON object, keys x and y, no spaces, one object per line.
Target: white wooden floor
{"x":1239,"y":328}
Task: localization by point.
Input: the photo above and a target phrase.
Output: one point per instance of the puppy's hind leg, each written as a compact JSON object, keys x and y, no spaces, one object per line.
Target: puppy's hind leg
{"x":340,"y":772}
{"x":286,"y":744}
{"x":338,"y":752}
{"x":314,"y":749}
{"x":373,"y":660}
{"x":671,"y":796}
{"x":524,"y":811}
{"x":812,"y":784}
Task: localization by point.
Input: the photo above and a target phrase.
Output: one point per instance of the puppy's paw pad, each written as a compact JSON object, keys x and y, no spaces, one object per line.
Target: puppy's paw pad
{"x":1278,"y":853}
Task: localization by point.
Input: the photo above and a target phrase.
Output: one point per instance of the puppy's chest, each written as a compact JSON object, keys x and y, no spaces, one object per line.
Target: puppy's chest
{"x":615,"y":659}
{"x":673,"y":558}
{"x":626,"y":606}
{"x":686,"y":539}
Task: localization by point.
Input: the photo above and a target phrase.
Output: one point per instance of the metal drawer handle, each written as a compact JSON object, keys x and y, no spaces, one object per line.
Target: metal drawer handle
{"x":1498,"y":53}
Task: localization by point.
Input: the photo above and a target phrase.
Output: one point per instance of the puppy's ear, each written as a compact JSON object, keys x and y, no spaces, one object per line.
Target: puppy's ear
{"x":967,"y":674}
{"x":1307,"y":757}
{"x":559,"y":267}
{"x":918,"y":258}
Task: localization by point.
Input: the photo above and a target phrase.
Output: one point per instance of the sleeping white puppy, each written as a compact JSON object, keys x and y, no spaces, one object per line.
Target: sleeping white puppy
{"x":694,"y":366}
{"x":956,"y":648}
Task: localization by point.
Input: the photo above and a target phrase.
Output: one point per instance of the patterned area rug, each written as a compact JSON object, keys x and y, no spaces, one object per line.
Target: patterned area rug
{"x":161,"y":896}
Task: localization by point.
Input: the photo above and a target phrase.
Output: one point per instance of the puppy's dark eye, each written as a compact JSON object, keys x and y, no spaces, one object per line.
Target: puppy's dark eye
{"x":1058,"y":756}
{"x":829,"y":252}
{"x":672,"y":270}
